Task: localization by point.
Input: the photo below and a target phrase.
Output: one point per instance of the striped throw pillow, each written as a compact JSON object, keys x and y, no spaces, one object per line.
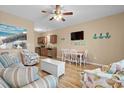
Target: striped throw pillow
{"x":6,"y":60}
{"x":18,"y":77}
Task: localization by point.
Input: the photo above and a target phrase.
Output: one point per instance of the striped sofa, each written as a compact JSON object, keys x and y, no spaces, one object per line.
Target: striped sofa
{"x":13,"y":74}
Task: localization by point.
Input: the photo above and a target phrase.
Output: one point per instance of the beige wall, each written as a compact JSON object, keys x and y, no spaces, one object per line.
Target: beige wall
{"x":17,"y":21}
{"x":101,"y":51}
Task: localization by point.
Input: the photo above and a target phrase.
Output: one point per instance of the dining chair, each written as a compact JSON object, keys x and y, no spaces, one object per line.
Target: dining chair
{"x":74,"y":56}
{"x":85,"y":56}
{"x":62,"y":54}
{"x":65,"y":54}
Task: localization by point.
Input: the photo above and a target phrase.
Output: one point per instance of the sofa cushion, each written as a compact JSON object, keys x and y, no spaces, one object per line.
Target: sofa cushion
{"x":19,"y":65}
{"x":37,"y":84}
{"x":2,"y":71}
{"x":1,"y":86}
{"x":6,"y":60}
{"x":18,"y":77}
{"x":1,"y":66}
{"x":51,"y":81}
{"x":3,"y":83}
{"x":48,"y":82}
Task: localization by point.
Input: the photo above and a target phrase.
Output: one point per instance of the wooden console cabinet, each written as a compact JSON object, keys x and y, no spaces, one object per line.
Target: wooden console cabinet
{"x":49,"y":52}
{"x":52,"y":53}
{"x":44,"y":52}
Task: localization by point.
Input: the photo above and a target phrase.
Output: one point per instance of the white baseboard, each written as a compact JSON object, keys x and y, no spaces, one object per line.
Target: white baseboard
{"x":92,"y":63}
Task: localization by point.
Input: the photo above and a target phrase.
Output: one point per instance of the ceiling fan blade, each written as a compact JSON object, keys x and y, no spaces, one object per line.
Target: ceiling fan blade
{"x":51,"y":18}
{"x":68,"y":13}
{"x":46,"y":12}
{"x":63,"y":19}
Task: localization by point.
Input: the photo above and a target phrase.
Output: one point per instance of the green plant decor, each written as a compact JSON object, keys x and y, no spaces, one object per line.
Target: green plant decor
{"x":107,"y":35}
{"x":95,"y":36}
{"x":101,"y":36}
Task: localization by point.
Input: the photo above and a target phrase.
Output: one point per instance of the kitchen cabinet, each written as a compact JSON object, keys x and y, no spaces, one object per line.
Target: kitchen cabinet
{"x":52,"y":53}
{"x":53,"y":39}
{"x":42,"y":40}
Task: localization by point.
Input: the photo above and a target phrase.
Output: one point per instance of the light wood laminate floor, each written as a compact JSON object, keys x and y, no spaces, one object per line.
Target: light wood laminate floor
{"x":71,"y":78}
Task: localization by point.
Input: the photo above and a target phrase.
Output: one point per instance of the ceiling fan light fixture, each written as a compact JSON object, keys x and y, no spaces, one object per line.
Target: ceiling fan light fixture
{"x":58,"y":17}
{"x":58,"y":14}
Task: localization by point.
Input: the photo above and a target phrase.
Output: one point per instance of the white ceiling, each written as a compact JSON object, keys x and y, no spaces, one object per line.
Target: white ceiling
{"x":81,"y":13}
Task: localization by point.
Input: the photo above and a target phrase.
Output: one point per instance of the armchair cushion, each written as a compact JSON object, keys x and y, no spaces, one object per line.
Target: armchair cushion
{"x":119,"y":75}
{"x":93,"y":79}
{"x":99,"y":73}
{"x":115,"y":67}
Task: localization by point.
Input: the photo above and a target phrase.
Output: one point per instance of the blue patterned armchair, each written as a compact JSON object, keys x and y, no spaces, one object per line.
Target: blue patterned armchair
{"x":111,"y":76}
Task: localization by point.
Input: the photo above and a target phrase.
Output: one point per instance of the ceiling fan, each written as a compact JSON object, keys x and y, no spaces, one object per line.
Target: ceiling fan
{"x":57,"y":14}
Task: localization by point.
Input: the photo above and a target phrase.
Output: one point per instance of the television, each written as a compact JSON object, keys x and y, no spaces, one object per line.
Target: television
{"x":77,"y":35}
